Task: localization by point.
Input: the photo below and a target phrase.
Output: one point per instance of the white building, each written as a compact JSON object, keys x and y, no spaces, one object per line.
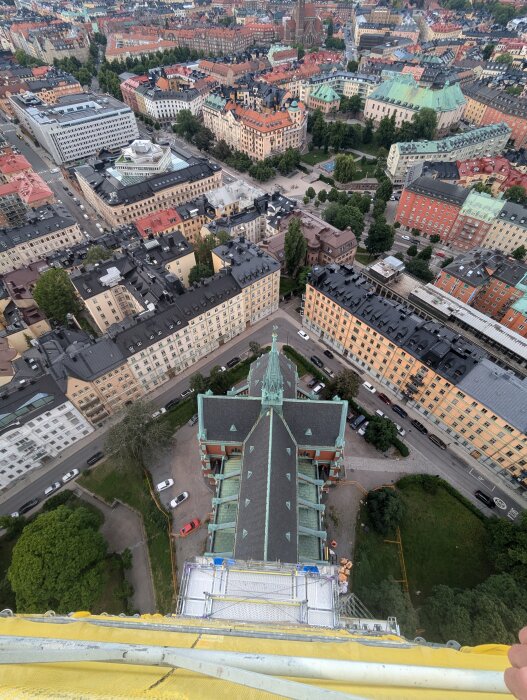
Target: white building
{"x":165,"y":105}
{"x":485,"y":141}
{"x":77,"y":126}
{"x":143,"y":158}
{"x":37,"y":422}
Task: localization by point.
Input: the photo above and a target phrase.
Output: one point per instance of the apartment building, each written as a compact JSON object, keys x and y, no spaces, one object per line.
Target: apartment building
{"x":343,"y":83}
{"x":485,"y":105}
{"x":257,"y":275}
{"x":46,"y":229}
{"x":476,"y":403}
{"x":118,"y":202}
{"x":403,"y":97}
{"x":23,"y":192}
{"x":250,"y":224}
{"x":135,"y":281}
{"x":94,"y":374}
{"x":488,"y":140}
{"x":258,"y":134}
{"x":48,"y":40}
{"x":484,"y":279}
{"x":509,"y":230}
{"x":54,"y":86}
{"x":37,"y":423}
{"x":477,"y":214}
{"x":76,"y":127}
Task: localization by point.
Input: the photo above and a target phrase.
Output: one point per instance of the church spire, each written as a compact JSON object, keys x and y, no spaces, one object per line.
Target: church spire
{"x":273,"y":382}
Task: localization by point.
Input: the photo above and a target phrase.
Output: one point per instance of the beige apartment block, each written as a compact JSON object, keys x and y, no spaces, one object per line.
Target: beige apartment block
{"x":509,"y":230}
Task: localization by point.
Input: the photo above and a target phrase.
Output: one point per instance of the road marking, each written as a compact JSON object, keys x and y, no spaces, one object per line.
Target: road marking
{"x":512,"y":514}
{"x":501,"y":504}
{"x":478,"y":477}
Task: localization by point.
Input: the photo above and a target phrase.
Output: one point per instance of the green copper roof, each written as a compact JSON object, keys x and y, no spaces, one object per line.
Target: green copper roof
{"x":273,"y":381}
{"x":482,"y":206}
{"x":325,"y":93}
{"x":215,"y":102}
{"x":448,"y":144}
{"x":404,"y":91}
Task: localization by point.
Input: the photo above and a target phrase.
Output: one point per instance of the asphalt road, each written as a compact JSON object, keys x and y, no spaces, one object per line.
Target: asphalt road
{"x":448,"y":465}
{"x":54,"y":180}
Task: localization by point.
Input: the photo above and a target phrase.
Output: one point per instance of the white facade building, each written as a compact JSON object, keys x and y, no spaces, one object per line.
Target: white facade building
{"x":77,"y":126}
{"x":37,"y":422}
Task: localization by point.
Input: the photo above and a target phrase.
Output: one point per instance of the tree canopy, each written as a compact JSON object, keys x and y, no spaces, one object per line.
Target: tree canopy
{"x":519,"y":253}
{"x":381,"y":433}
{"x":295,"y":247}
{"x":137,"y":434}
{"x":97,"y":253}
{"x":346,"y":384}
{"x":57,"y":563}
{"x":380,"y":237}
{"x":517,"y":194}
{"x":55,"y":295}
{"x":385,"y":509}
{"x":419,"y":268}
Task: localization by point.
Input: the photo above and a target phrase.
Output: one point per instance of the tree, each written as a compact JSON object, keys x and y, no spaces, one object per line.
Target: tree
{"x":58,"y":562}
{"x":435,"y":238}
{"x":519,"y":253}
{"x":355,"y":104}
{"x":318,"y":129}
{"x":346,"y":384}
{"x":345,"y":216}
{"x":302,"y":279}
{"x":385,"y":134}
{"x":345,"y":168}
{"x":295,"y":247}
{"x":487,"y":52}
{"x":55,"y":295}
{"x":419,"y":268}
{"x":426,"y":253}
{"x":186,"y":124}
{"x":505,"y":58}
{"x":219,"y":380}
{"x":482,"y":187}
{"x":367,"y":132}
{"x":353,"y":66}
{"x":137,"y":434}
{"x":322,"y":196}
{"x":389,"y":596}
{"x":310,"y":193}
{"x":384,"y":190}
{"x":517,"y":194}
{"x":203,"y":138}
{"x":199,"y":272}
{"x":330,"y":28}
{"x":381,"y":433}
{"x":380,"y":237}
{"x":198,"y":383}
{"x":97,"y":253}
{"x":424,"y":123}
{"x":261,"y":171}
{"x":385,"y":509}
{"x":412,"y":251}
{"x":254,"y":347}
{"x":446,"y":262}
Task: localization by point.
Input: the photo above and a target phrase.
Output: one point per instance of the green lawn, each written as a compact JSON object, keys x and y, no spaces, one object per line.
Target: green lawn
{"x":315,"y":156}
{"x":127,"y":483}
{"x":443,"y":543}
{"x":363,"y":256}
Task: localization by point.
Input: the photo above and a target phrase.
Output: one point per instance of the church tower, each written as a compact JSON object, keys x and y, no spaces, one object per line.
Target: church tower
{"x":299,"y":21}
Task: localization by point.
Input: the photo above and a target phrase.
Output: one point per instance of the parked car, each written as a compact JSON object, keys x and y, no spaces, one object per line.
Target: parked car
{"x":379,"y":413}
{"x":318,"y":388}
{"x":405,"y":238}
{"x":399,"y":410}
{"x":316,"y":361}
{"x":68,"y":476}
{"x":484,"y":498}
{"x":159,"y":412}
{"x":437,"y":441}
{"x":313,"y":383}
{"x":193,"y":420}
{"x":28,"y":505}
{"x":303,"y":335}
{"x":329,"y":354}
{"x":401,"y":431}
{"x":362,"y":430}
{"x":189,"y":527}
{"x":55,"y":486}
{"x":233,"y":362}
{"x":440,"y":254}
{"x":166,"y":484}
{"x":369,"y":387}
{"x":178,"y":500}
{"x":357,"y":422}
{"x":329,"y":372}
{"x":186,"y":393}
{"x":385,"y":399}
{"x":95,"y":458}
{"x":419,"y":426}
{"x":171,"y":404}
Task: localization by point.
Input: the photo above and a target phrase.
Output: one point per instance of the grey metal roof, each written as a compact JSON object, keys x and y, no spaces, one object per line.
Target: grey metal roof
{"x":500,"y":390}
{"x":40,"y":222}
{"x":430,"y":187}
{"x":246,"y":261}
{"x":289,"y":375}
{"x":229,"y":418}
{"x":21,"y":396}
{"x":267,"y":522}
{"x":314,"y":422}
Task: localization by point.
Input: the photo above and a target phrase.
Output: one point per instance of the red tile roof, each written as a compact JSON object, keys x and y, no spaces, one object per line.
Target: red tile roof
{"x":29,"y":186}
{"x":158,"y":222}
{"x":13,"y":163}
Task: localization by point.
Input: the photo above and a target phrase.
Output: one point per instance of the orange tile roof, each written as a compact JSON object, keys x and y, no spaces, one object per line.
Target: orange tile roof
{"x":13,"y":163}
{"x":158,"y":222}
{"x":29,"y":186}
{"x":266,"y":122}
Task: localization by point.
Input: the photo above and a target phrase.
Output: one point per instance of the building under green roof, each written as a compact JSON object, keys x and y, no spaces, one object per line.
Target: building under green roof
{"x":404,"y":91}
{"x":482,"y":206}
{"x":325,"y":93}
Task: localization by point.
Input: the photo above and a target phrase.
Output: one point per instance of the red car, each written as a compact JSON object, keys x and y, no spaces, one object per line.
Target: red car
{"x":189,"y":527}
{"x":385,"y":399}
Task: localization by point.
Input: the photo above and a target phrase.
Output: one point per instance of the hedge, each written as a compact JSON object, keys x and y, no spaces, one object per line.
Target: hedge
{"x":303,"y":364}
{"x":327,"y":180}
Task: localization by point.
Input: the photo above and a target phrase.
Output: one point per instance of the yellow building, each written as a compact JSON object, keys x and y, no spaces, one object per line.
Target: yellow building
{"x":508,"y":231}
{"x":450,"y":381}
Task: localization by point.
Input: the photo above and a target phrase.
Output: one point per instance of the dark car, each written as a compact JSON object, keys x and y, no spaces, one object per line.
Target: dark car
{"x":385,"y":399}
{"x":171,"y":404}
{"x":484,"y":498}
{"x":399,"y":410}
{"x":357,"y":422}
{"x":329,"y":354}
{"x":419,"y":426}
{"x":95,"y":458}
{"x":437,"y":441}
{"x":313,"y":382}
{"x":316,"y":361}
{"x":233,"y":362}
{"x":25,"y":507}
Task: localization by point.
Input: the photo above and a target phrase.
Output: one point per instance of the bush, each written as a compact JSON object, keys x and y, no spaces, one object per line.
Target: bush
{"x":327,"y":180}
{"x":385,"y":510}
{"x":60,"y":499}
{"x":399,"y":445}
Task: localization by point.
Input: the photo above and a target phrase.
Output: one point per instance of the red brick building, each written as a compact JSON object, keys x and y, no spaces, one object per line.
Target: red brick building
{"x":431,"y":206}
{"x":490,"y":106}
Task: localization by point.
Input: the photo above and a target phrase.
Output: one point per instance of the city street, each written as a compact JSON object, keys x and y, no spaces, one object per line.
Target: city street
{"x":449,"y":464}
